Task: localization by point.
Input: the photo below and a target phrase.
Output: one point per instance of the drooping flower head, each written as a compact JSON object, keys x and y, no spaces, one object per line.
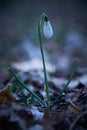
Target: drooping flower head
{"x":47,"y":28}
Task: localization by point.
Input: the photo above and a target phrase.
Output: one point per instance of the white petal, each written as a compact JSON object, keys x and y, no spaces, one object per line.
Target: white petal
{"x":47,"y":29}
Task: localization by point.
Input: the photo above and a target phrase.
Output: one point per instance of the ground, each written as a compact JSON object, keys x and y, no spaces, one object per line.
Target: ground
{"x":19,"y":48}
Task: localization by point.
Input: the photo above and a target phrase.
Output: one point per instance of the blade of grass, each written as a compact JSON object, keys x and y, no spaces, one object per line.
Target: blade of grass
{"x":68,"y":82}
{"x":24,"y":86}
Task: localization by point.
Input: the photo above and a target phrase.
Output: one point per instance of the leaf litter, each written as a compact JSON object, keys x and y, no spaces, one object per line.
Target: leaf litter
{"x":68,"y":113}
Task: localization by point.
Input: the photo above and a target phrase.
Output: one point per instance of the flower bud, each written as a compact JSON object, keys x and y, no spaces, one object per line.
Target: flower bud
{"x":47,"y":29}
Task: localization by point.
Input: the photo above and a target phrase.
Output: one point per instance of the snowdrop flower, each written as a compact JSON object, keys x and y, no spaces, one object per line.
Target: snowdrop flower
{"x":47,"y":29}
{"x":48,"y":32}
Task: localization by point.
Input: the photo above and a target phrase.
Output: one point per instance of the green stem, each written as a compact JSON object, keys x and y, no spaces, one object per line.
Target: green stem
{"x":42,"y":53}
{"x":68,"y":82}
{"x":24,"y":86}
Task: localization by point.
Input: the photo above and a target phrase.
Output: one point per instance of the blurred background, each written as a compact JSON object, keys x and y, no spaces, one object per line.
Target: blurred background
{"x":19,"y":44}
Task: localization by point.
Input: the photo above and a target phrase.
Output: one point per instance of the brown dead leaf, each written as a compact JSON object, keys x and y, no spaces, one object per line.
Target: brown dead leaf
{"x":5,"y":96}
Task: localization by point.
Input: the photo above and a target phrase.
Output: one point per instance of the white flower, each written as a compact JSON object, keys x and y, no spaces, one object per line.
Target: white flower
{"x":47,"y":29}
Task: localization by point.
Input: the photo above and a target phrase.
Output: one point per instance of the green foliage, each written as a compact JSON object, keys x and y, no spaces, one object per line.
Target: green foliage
{"x":25,"y":99}
{"x":22,"y":85}
{"x":42,"y":18}
{"x":25,"y":86}
{"x":13,"y":88}
{"x":68,"y":82}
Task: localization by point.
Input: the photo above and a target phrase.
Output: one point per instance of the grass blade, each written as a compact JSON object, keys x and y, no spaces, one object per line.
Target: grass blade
{"x":68,"y":82}
{"x":24,"y":86}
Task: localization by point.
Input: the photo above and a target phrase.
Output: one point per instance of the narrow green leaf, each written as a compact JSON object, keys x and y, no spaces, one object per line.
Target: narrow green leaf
{"x":24,"y":86}
{"x":66,"y":85}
